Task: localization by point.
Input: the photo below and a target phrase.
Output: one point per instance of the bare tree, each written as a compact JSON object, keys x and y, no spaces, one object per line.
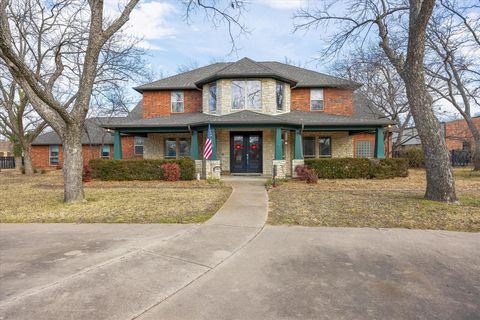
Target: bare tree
{"x":383,"y":89}
{"x":455,"y":72}
{"x":18,"y":120}
{"x":388,"y":17}
{"x":67,"y":46}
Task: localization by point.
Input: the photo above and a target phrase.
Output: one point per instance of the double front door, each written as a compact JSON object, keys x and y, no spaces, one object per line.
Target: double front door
{"x":246,"y":152}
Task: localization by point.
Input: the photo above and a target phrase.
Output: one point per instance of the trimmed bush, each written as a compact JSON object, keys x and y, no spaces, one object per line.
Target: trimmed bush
{"x":416,"y":158}
{"x":358,"y":168}
{"x":104,"y":169}
{"x":306,"y":174}
{"x":171,"y":171}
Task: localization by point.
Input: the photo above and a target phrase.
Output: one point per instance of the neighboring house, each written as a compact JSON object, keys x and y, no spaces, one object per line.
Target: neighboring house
{"x":6,"y":148}
{"x":456,"y":132}
{"x":261,"y":113}
{"x":97,"y":142}
{"x":458,"y":136}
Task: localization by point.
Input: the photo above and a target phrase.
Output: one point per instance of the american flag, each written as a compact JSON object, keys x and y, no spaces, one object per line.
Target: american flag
{"x":207,"y":151}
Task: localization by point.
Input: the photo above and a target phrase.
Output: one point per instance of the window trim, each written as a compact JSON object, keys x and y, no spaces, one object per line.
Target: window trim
{"x":314,"y":155}
{"x":135,"y":145}
{"x":50,"y":155}
{"x":245,"y":94}
{"x":323,"y":100}
{"x":282,"y":107}
{"x":320,"y":149}
{"x":177,"y":147}
{"x":214,"y":84}
{"x":171,"y":101}
{"x":101,"y":151}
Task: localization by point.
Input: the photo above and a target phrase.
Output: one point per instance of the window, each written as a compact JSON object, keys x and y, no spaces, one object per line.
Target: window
{"x":212,"y":102}
{"x":280,"y":95}
{"x":170,"y":148}
{"x":184,"y":147}
{"x":53,"y":154}
{"x":309,"y":147}
{"x":138,"y":145}
{"x":106,"y":151}
{"x":246,"y":94}
{"x":467,"y":146}
{"x":177,"y":101}
{"x":325,"y":146}
{"x":363,"y":149}
{"x":316,"y":99}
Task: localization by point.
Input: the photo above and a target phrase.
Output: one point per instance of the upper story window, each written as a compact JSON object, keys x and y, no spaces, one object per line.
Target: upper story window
{"x":246,"y":94}
{"x":280,"y":96}
{"x":138,"y":146}
{"x":54,"y":154}
{"x":177,"y":101}
{"x":212,"y":100}
{"x":316,"y":99}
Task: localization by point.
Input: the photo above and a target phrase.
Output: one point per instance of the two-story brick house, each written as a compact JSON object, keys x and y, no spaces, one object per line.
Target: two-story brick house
{"x":262,"y":114}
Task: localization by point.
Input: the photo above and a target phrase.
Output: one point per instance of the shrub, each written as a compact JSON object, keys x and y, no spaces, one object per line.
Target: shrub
{"x":416,"y":158}
{"x":171,"y":171}
{"x":306,"y":174}
{"x":358,"y":168}
{"x":87,"y":173}
{"x":341,"y":168}
{"x":105,"y":169}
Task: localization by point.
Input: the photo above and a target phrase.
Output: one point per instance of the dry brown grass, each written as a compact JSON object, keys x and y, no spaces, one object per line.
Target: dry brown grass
{"x":39,"y":199}
{"x":393,"y":203}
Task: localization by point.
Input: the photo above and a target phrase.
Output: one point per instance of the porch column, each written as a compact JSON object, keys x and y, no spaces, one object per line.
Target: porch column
{"x":117,"y":146}
{"x":214,"y":144}
{"x":298,"y":145}
{"x":379,"y":144}
{"x":194,"y":149}
{"x":278,"y":144}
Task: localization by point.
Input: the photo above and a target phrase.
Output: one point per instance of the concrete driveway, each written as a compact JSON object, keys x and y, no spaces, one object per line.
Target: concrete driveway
{"x":234,"y":267}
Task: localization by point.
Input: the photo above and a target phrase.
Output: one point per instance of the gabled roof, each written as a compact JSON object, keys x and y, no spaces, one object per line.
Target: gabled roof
{"x":245,"y":68}
{"x":93,"y":133}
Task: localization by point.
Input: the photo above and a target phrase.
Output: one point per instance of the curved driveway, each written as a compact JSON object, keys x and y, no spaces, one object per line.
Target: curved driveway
{"x":233,"y":267}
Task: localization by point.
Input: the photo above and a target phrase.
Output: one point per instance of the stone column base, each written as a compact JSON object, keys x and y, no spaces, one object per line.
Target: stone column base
{"x":295,"y":163}
{"x":211,"y":169}
{"x":281,"y":166}
{"x":199,"y":167}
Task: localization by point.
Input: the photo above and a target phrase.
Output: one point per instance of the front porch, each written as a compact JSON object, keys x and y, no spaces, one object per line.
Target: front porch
{"x":255,"y":149}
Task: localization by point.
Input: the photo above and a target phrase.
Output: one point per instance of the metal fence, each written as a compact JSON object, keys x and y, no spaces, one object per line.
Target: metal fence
{"x":460,"y":158}
{"x":7,"y":162}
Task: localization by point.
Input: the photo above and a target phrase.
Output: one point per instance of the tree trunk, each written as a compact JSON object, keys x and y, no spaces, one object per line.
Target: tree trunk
{"x":18,"y":163}
{"x":27,"y":159}
{"x":440,"y":182}
{"x":476,"y":137}
{"x":73,"y":165}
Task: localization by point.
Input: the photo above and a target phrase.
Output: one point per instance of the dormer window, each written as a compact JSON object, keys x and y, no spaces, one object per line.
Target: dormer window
{"x":177,"y":101}
{"x":316,"y":99}
{"x":246,"y":94}
{"x":280,"y":96}
{"x":212,"y":100}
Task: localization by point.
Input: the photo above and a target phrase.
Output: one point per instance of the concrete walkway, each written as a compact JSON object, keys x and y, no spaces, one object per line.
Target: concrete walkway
{"x":116,"y":277}
{"x":234,"y":267}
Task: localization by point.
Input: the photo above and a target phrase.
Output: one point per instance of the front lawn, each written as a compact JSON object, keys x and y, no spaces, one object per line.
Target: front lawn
{"x":393,"y":203}
{"x":39,"y":199}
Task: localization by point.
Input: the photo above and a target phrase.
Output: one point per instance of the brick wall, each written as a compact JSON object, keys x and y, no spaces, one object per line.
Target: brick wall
{"x":336,"y":101}
{"x":128,"y":148}
{"x":157,"y":103}
{"x":456,"y":132}
{"x":41,"y":155}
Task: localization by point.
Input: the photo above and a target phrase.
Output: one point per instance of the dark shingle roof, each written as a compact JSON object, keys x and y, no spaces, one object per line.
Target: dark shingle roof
{"x":248,"y":117}
{"x":93,"y":133}
{"x":246,"y":67}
